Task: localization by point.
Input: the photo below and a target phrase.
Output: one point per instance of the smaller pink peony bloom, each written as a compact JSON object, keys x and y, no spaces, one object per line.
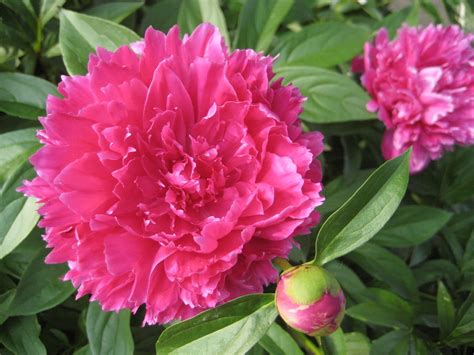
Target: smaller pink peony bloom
{"x":310,"y":300}
{"x":422,"y":85}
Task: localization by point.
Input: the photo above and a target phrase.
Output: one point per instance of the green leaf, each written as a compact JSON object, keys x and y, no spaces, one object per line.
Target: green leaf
{"x":395,"y":342}
{"x":365,"y":213}
{"x":17,"y":220}
{"x":466,"y":16}
{"x":469,"y":250}
{"x":25,"y":11}
{"x":386,"y":267}
{"x":42,"y":281}
{"x":467,"y":283}
{"x":392,"y":22}
{"x":335,"y":344}
{"x":116,"y":12}
{"x":8,"y":191}
{"x":108,"y":332}
{"x":462,"y":12}
{"x":24,"y":95}
{"x":18,"y":214}
{"x":332,"y":97}
{"x":256,"y":350}
{"x":463,"y":332}
{"x":80,"y":35}
{"x":341,"y":189}
{"x":10,"y":33}
{"x":49,"y":9}
{"x":446,"y":310}
{"x":194,"y":12}
{"x":348,"y":279}
{"x":435,"y":270}
{"x":458,"y":177}
{"x":17,"y":261}
{"x":385,"y":309}
{"x":412,"y":225}
{"x":6,"y":299}
{"x":21,"y":336}
{"x":323,"y":44}
{"x":278,"y":342}
{"x":433,"y":10}
{"x":231,"y":328}
{"x":258,"y":22}
{"x":162,"y":16}
{"x":357,"y":344}
{"x":15,"y":148}
{"x":85,"y":350}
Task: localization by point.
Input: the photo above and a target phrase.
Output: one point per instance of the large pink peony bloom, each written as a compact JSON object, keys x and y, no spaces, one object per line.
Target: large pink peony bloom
{"x":422,"y":85}
{"x":173,"y":173}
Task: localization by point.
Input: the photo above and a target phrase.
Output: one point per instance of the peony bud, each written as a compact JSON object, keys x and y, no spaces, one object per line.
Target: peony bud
{"x":310,"y":300}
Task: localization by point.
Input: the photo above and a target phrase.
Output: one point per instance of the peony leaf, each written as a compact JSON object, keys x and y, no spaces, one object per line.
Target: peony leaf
{"x":446,"y":310}
{"x":348,"y":279}
{"x":384,"y":308}
{"x":436,"y":269}
{"x":18,"y":214}
{"x":20,"y":335}
{"x":24,"y":95}
{"x":278,"y":342}
{"x":80,"y":35}
{"x":395,"y":20}
{"x":332,"y":97}
{"x":357,"y":343}
{"x":228,"y":329}
{"x":43,"y":281}
{"x":25,"y":11}
{"x":387,"y":267}
{"x":458,"y":175}
{"x":162,"y":16}
{"x":17,"y":220}
{"x":18,"y":260}
{"x":116,"y":12}
{"x":365,"y":213}
{"x":15,"y":148}
{"x":258,"y":22}
{"x":108,"y":332}
{"x":6,"y":299}
{"x":412,"y":225}
{"x":335,"y":343}
{"x":323,"y":44}
{"x":49,"y":9}
{"x":340,"y":189}
{"x":192,"y":13}
{"x":463,"y":332}
{"x":394,"y":342}
{"x":85,"y":350}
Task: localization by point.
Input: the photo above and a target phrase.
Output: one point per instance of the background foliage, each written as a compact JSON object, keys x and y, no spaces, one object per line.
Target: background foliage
{"x":409,"y":289}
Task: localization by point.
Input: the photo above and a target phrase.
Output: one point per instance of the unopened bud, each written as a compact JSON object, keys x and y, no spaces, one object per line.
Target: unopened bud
{"x":310,"y":300}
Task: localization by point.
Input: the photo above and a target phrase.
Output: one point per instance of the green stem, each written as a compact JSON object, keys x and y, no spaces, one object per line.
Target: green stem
{"x":306,"y":343}
{"x":282,"y":263}
{"x":318,"y":340}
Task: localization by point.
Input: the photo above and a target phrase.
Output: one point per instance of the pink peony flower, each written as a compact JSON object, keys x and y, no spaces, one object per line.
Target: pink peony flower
{"x":422,"y":85}
{"x":173,"y":173}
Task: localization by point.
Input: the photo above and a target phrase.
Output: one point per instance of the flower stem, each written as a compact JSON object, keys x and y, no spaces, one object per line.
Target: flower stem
{"x":306,"y":343}
{"x":282,"y":263}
